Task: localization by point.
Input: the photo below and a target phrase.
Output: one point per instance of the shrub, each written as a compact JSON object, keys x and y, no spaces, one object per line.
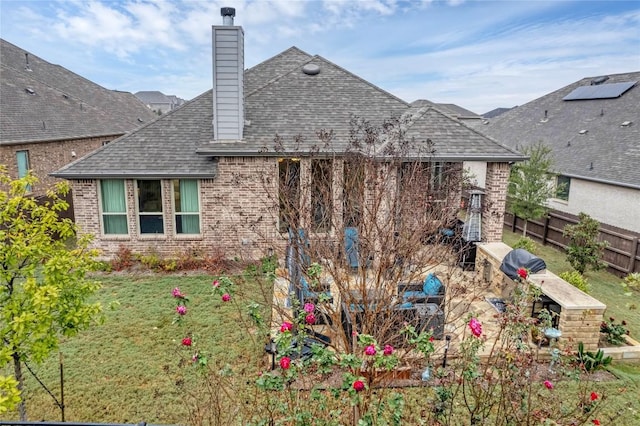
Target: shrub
{"x":526,"y":243}
{"x":576,"y":279}
{"x":615,"y":332}
{"x":591,"y":361}
{"x":123,"y":259}
{"x":631,"y":282}
{"x":584,"y":250}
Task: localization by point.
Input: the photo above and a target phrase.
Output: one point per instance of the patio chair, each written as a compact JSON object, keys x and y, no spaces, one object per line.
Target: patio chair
{"x":352,"y":248}
{"x":431,"y":290}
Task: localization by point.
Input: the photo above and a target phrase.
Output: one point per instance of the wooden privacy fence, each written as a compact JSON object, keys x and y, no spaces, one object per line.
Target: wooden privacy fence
{"x":622,"y":256}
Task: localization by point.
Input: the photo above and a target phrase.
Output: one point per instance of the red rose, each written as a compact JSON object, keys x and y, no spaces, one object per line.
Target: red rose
{"x":595,"y":421}
{"x":186,"y":341}
{"x":285,"y":362}
{"x":226,"y":297}
{"x":594,"y":396}
{"x":286,"y":326}
{"x":358,"y":385}
{"x":548,"y":384}
{"x":523,"y":273}
{"x":310,"y":319}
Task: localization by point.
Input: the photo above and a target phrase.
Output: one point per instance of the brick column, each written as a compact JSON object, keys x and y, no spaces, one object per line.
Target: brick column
{"x":494,"y":203}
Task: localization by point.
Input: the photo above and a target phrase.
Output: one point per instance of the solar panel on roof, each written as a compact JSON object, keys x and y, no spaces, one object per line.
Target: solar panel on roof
{"x":600,"y":91}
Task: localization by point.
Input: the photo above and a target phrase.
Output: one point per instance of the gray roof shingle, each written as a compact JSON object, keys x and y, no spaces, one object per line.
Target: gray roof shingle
{"x":607,"y":152}
{"x":280,"y":99}
{"x":50,"y":102}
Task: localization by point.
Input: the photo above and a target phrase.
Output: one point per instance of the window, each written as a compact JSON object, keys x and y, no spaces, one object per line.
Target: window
{"x":321,"y":194}
{"x":22,"y":158}
{"x":289,"y":193}
{"x":353,"y":193}
{"x":114,"y":208}
{"x":186,"y":206}
{"x":150,"y":207}
{"x":563,"y":184}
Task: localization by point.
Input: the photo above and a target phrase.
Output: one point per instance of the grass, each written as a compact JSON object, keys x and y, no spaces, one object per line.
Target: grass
{"x":604,"y":286}
{"x":128,"y":369}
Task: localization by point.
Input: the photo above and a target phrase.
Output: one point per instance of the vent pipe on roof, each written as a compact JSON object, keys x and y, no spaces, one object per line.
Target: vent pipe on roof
{"x":228,"y":13}
{"x":27,"y":67}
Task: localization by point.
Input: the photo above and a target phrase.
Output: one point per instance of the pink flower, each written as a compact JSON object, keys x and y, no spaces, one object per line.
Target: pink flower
{"x":181,"y":309}
{"x":286,"y":326}
{"x":226,"y":297}
{"x":195,"y":357}
{"x":186,"y":341}
{"x":215,"y":283}
{"x":370,"y":350}
{"x":548,"y":384}
{"x":388,"y":350}
{"x":523,"y":273}
{"x":476,"y":327}
{"x":176,"y":293}
{"x":595,"y":421}
{"x":285,"y":362}
{"x":358,"y":385}
{"x":594,"y":396}
{"x":310,"y":319}
{"x":309,"y":308}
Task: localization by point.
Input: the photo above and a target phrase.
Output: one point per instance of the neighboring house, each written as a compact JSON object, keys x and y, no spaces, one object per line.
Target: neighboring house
{"x":195,"y":178}
{"x":495,"y":112}
{"x":593,"y":129}
{"x":159,"y":102}
{"x":50,"y":116}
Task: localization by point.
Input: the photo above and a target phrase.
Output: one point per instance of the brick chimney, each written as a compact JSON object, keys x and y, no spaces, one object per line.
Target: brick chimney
{"x":228,"y":78}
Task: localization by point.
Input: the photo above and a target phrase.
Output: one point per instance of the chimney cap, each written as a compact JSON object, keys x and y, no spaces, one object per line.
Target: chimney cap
{"x":228,"y":11}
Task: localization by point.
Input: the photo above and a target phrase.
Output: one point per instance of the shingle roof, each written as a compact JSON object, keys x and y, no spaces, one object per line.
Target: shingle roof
{"x":50,"y":102}
{"x":280,"y":99}
{"x":152,"y":97}
{"x":606,"y":152}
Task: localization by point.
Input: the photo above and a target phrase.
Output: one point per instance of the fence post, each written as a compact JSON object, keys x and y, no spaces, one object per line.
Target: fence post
{"x":545,"y":230}
{"x":513,"y":222}
{"x":633,"y":253}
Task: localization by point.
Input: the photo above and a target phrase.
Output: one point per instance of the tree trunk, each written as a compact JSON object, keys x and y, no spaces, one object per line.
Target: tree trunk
{"x":524,"y":228}
{"x":17,"y":369}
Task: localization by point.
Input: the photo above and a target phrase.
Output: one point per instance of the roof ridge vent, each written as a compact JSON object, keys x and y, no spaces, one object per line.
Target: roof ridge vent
{"x":599,"y":80}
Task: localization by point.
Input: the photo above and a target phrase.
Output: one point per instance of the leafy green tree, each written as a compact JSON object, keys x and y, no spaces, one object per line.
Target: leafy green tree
{"x":584,"y":250}
{"x":529,"y":186}
{"x":44,"y":290}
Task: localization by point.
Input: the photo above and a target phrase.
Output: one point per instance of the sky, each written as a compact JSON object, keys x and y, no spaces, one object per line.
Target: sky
{"x":478,"y":54}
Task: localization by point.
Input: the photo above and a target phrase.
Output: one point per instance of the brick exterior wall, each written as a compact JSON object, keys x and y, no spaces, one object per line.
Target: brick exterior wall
{"x":239,"y":212}
{"x":494,"y":201}
{"x":46,"y":157}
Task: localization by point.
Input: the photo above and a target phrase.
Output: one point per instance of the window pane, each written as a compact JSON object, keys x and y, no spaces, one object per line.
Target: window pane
{"x":353,"y":192}
{"x":187,"y":208}
{"x":321,"y":194}
{"x":563,"y":184}
{"x":114,"y":210}
{"x":150,"y":201}
{"x":289,"y":193}
{"x":113,"y":196}
{"x":22,"y":158}
{"x":149,"y":196}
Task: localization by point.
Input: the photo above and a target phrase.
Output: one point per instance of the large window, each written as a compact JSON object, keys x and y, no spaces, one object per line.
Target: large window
{"x":289,"y":193}
{"x":186,"y":206}
{"x":114,"y":208}
{"x":563,"y":184}
{"x":150,"y":207}
{"x":321,"y":194}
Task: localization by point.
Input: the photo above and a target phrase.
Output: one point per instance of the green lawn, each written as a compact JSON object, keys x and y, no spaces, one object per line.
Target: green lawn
{"x":605,"y":287}
{"x":127,"y":370}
